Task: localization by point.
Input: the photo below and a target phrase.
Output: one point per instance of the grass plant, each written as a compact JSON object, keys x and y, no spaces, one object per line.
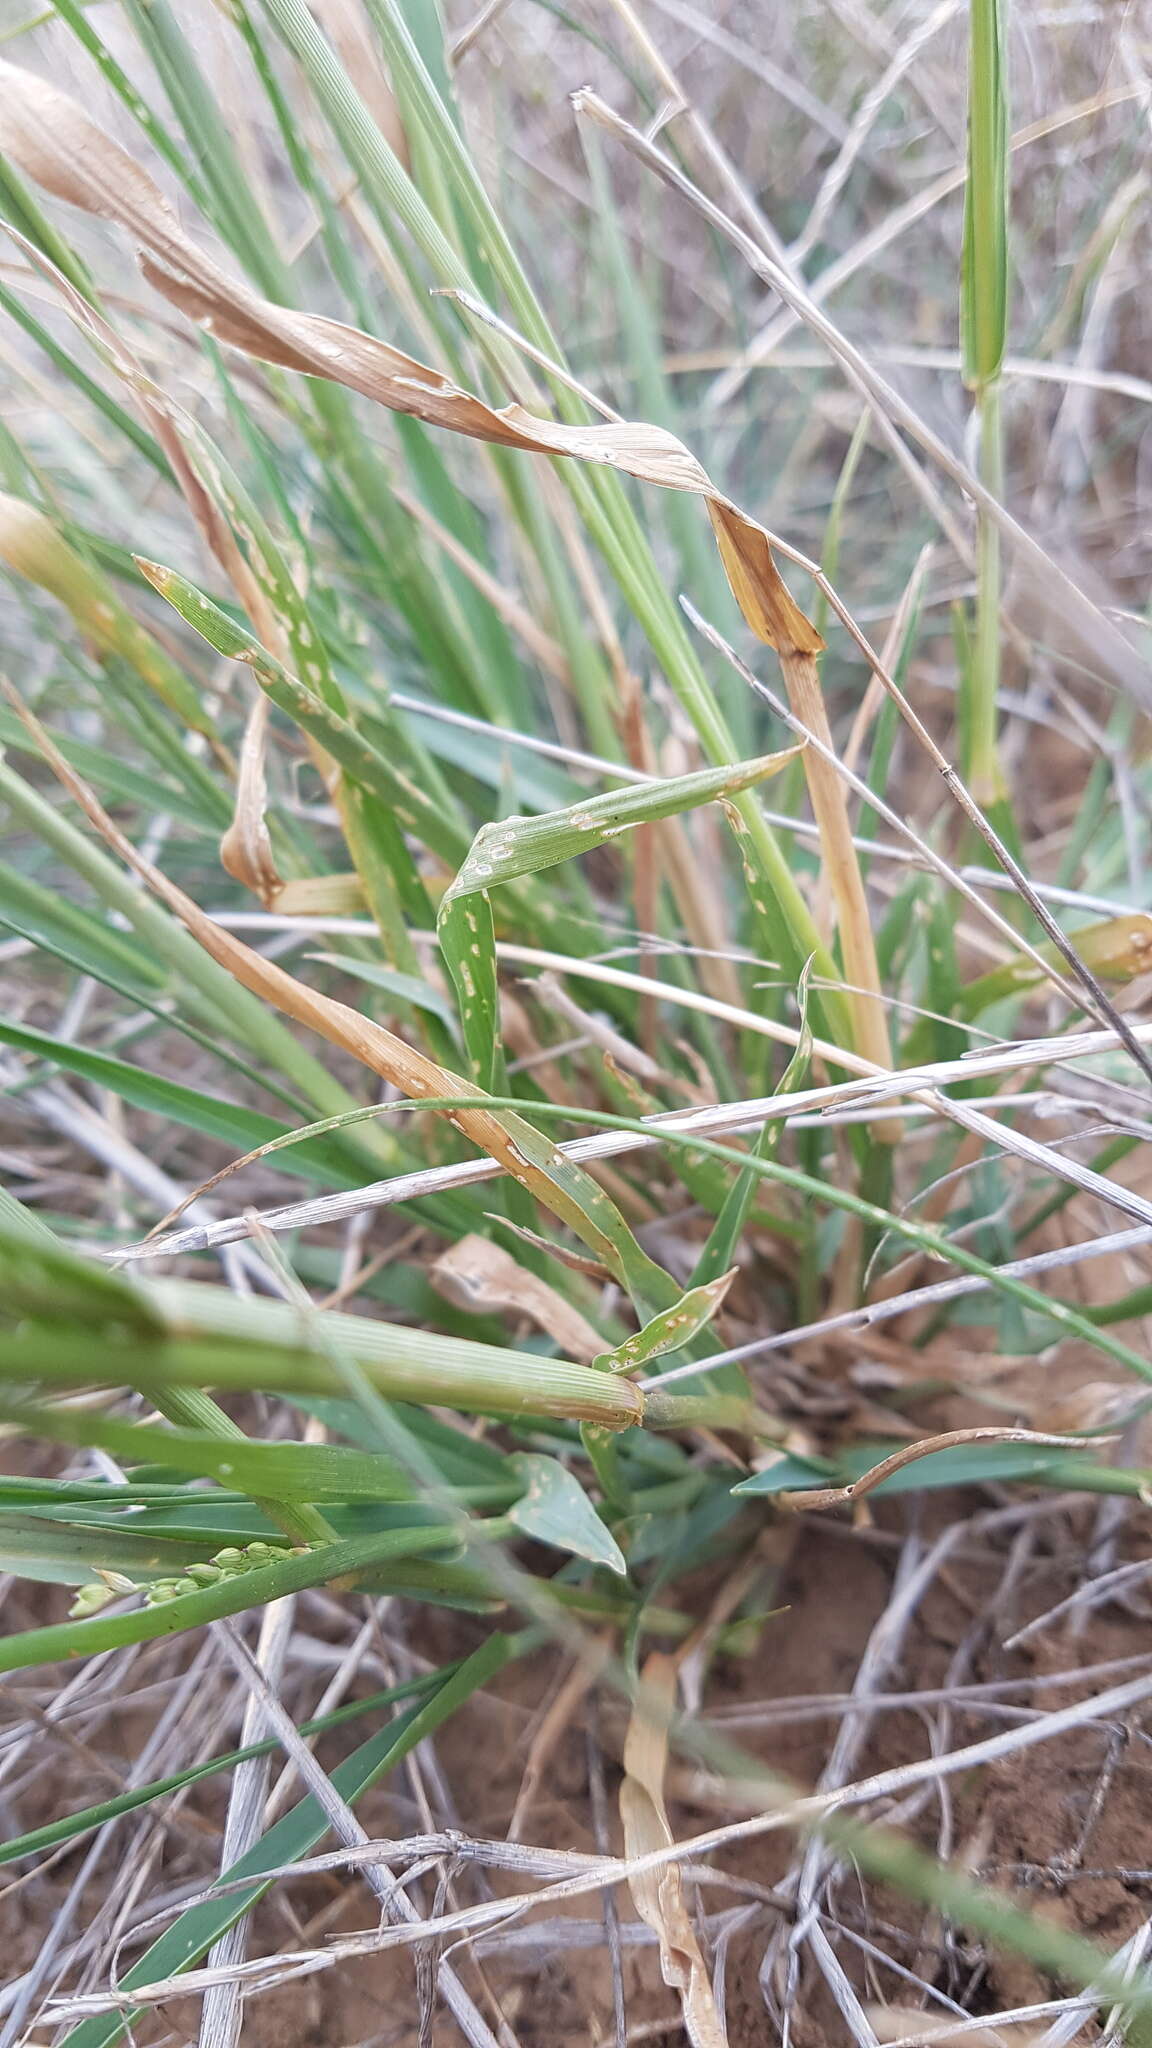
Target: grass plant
{"x":658,"y":942}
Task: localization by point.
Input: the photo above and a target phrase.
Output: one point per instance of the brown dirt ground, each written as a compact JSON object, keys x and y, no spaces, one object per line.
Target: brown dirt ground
{"x":1042,"y":1824}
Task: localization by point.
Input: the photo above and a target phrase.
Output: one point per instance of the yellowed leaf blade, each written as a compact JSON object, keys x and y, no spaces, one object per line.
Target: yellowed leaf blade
{"x":757,"y":585}
{"x":658,"y":1895}
{"x":322,"y":896}
{"x":55,"y":142}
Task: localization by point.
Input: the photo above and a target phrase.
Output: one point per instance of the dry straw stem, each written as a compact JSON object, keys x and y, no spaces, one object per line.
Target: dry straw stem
{"x":393,"y":1900}
{"x":842,"y":866}
{"x":766,"y":343}
{"x":930,"y":1296}
{"x":1099,"y":1000}
{"x":54,"y":142}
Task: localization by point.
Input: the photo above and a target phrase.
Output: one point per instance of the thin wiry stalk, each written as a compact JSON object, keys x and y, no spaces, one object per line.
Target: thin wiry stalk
{"x":222,"y":2016}
{"x":1109,"y":646}
{"x":393,"y":1900}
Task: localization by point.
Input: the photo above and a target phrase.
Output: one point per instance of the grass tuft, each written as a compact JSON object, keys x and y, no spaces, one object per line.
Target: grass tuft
{"x":638,"y":797}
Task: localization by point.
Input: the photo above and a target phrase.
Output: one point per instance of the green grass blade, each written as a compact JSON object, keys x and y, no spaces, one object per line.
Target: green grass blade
{"x":231,"y":204}
{"x":158,"y":135}
{"x":404,"y":988}
{"x":984,"y":262}
{"x":452,"y":1371}
{"x":468,"y":942}
{"x":555,"y":1509}
{"x":789,"y":933}
{"x":246,"y":1129}
{"x":67,"y":366}
{"x":984,"y":333}
{"x":18,"y":206}
{"x":202,"y":802}
{"x":221,"y":998}
{"x":671,"y":1330}
{"x":32,"y":914}
{"x":523,"y":846}
{"x":280,"y":1471}
{"x":41,"y":1277}
{"x":33,"y":547}
{"x":354,"y":753}
{"x":1071,"y":1321}
{"x":724,"y":1237}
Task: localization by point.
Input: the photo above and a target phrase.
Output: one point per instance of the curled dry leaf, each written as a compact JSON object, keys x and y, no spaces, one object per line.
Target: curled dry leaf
{"x":478,"y":1275}
{"x":54,"y":142}
{"x":246,"y":848}
{"x":658,"y":1895}
{"x":577,"y":1262}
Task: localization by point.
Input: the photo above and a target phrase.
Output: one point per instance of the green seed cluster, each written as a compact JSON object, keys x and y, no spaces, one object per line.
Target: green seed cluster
{"x":227,"y":1564}
{"x":89,"y":1599}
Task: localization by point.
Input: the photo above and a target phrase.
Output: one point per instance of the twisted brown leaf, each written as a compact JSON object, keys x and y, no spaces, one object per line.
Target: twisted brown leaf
{"x":658,"y":1894}
{"x":246,"y":848}
{"x":54,"y":142}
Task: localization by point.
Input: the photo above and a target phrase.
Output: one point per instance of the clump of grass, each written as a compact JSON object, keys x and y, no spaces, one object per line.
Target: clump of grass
{"x":350,"y":678}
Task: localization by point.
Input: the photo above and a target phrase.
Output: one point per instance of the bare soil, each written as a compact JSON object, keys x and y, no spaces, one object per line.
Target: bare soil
{"x":1066,"y":1827}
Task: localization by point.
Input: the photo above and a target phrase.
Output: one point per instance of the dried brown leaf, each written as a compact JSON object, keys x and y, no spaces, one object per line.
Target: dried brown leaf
{"x":757,"y":585}
{"x":658,"y":1895}
{"x":54,"y":141}
{"x":246,"y":849}
{"x":480,"y":1276}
